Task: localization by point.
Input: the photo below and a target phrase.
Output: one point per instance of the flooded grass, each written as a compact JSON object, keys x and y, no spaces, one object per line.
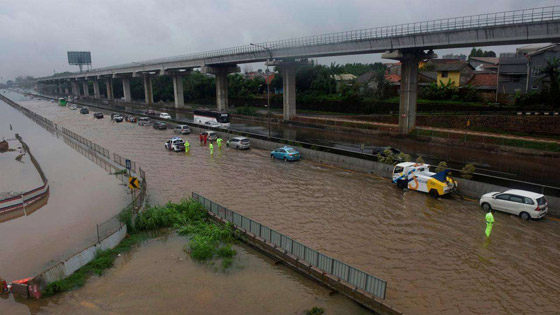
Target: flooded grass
{"x":207,"y":239}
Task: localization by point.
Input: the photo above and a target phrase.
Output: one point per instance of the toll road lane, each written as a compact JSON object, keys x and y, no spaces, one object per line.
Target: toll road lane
{"x":433,"y":253}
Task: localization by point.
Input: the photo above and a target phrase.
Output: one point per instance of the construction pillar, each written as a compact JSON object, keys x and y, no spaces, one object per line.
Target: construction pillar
{"x":126,"y":89}
{"x":288,"y":69}
{"x":86,"y":88}
{"x":109,"y":86}
{"x":409,"y":85}
{"x":178,"y":91}
{"x":75,"y":89}
{"x":96,"y":92}
{"x":221,"y":73}
{"x":60,"y":89}
{"x":148,"y":91}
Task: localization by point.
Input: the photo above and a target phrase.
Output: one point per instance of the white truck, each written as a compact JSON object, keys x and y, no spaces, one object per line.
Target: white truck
{"x":417,"y":176}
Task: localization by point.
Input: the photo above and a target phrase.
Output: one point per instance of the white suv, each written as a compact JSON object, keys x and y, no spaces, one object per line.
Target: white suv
{"x":164,"y":116}
{"x":526,"y":204}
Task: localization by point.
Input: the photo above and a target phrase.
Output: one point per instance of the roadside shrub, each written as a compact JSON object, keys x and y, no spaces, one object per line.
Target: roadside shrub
{"x":315,"y":311}
{"x":467,"y":171}
{"x":201,"y":248}
{"x":246,"y":110}
{"x":387,"y":157}
{"x":442,"y":166}
{"x":404,"y":157}
{"x":419,"y":159}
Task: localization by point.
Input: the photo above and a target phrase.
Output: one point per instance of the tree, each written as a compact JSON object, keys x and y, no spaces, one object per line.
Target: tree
{"x":480,"y":53}
{"x":551,"y":71}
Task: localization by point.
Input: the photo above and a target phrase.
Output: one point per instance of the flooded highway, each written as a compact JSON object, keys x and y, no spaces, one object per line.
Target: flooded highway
{"x":502,"y":164}
{"x":37,"y":238}
{"x":433,"y":253}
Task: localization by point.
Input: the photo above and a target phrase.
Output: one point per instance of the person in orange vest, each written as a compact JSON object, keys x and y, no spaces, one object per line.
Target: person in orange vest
{"x":201,"y":137}
{"x":205,"y":138}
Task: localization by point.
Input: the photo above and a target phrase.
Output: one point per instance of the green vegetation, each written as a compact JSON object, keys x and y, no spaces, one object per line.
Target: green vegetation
{"x":420,"y":159}
{"x":246,"y":110}
{"x":316,"y":310}
{"x":467,"y":171}
{"x":121,"y":172}
{"x":207,"y":239}
{"x":442,"y":166}
{"x":481,"y":53}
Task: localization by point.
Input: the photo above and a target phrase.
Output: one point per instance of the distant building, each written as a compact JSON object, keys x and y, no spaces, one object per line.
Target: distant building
{"x":457,"y":72}
{"x":529,"y":49}
{"x":461,"y":57}
{"x":537,"y":61}
{"x":343,"y":79}
{"x":485,"y":63}
{"x":512,"y":76}
{"x":485,"y":82}
{"x":507,"y":55}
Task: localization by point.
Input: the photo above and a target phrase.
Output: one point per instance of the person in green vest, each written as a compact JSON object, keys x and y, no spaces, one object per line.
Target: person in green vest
{"x":219,"y":142}
{"x":489,"y":223}
{"x":187,"y":146}
{"x":211,"y":147}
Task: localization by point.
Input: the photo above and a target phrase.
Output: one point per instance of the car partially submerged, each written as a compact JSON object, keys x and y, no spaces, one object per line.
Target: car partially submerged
{"x":98,"y":115}
{"x":144,"y":121}
{"x":159,"y":125}
{"x":239,"y":143}
{"x":285,"y":153}
{"x":175,"y":144}
{"x":526,"y":204}
{"x":130,"y":118}
{"x":417,"y":176}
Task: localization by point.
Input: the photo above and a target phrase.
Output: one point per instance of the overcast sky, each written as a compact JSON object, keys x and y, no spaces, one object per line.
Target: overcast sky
{"x":36,"y":34}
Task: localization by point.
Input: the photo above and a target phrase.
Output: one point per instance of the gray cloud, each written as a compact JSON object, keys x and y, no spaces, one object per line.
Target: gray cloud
{"x":36,"y":34}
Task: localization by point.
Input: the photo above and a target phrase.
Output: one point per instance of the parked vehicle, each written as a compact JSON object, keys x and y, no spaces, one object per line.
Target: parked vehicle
{"x":118,"y":118}
{"x":144,"y":121}
{"x":212,"y":136}
{"x":150,"y":112}
{"x":62,"y":101}
{"x":213,"y":124}
{"x":98,"y":115}
{"x":526,"y":204}
{"x":84,"y":110}
{"x":286,"y":154}
{"x":239,"y":143}
{"x":182,"y":129}
{"x":113,"y":116}
{"x":417,"y":176}
{"x":201,"y":116}
{"x":164,"y":116}
{"x":175,"y":144}
{"x":159,"y":125}
{"x":73,"y":107}
{"x":130,"y":118}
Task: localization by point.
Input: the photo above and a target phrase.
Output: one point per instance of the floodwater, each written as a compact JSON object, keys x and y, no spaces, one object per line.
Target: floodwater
{"x":159,"y":278}
{"x":15,"y":163}
{"x":503,"y":164}
{"x":63,"y":223}
{"x":432,"y":253}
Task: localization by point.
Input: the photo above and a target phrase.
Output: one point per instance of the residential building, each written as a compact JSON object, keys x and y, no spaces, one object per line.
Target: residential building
{"x":461,"y":57}
{"x":512,"y":76}
{"x":529,"y":49}
{"x":343,"y":79}
{"x":537,"y":61}
{"x":485,"y":63}
{"x":485,"y":82}
{"x":452,"y":70}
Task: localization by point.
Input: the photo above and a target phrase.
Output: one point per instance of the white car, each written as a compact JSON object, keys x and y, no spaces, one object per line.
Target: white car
{"x":164,"y":116}
{"x":175,"y":144}
{"x":239,"y":143}
{"x":213,"y":124}
{"x":526,"y":204}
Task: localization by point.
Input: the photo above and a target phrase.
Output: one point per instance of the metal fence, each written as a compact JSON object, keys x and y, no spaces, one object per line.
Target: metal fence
{"x":328,"y":264}
{"x":532,"y":15}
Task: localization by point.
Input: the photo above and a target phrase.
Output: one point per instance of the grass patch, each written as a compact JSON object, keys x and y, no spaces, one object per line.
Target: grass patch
{"x":315,"y":311}
{"x":207,"y":239}
{"x":121,"y":172}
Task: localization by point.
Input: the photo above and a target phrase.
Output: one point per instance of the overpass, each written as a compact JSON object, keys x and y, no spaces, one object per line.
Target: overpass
{"x":410,"y":43}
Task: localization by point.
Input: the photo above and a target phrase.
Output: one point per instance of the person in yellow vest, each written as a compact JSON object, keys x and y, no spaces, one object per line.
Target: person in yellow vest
{"x":489,"y":223}
{"x":211,"y":147}
{"x":219,"y":142}
{"x":187,"y":146}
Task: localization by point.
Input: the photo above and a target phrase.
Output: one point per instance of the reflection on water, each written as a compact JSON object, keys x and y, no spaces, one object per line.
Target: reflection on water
{"x":432,"y":252}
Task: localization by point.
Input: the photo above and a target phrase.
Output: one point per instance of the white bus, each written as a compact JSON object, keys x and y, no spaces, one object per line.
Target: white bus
{"x":201,"y":116}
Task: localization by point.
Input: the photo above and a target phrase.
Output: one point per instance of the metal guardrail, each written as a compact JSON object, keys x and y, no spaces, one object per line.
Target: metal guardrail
{"x":533,"y":15}
{"x":328,"y":264}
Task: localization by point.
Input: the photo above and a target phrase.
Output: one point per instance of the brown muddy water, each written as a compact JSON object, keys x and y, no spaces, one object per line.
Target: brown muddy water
{"x":433,"y":253}
{"x":64,"y":223}
{"x":159,"y":278}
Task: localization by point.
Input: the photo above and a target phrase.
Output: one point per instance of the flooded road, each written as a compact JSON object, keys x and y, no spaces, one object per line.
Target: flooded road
{"x":64,"y":223}
{"x":432,"y":253}
{"x":177,"y":285}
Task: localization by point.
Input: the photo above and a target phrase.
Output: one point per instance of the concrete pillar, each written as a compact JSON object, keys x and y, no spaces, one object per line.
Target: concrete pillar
{"x":409,"y":85}
{"x":178,"y":91}
{"x":75,"y":90}
{"x":148,"y":91}
{"x":60,"y":89}
{"x":126,"y":89}
{"x":109,"y":85}
{"x":289,"y":95}
{"x":408,"y":95}
{"x":85,"y":85}
{"x":96,"y":92}
{"x":221,"y":73}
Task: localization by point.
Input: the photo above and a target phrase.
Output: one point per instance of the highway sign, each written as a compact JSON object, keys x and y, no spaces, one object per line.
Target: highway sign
{"x":128,"y":164}
{"x":133,"y":182}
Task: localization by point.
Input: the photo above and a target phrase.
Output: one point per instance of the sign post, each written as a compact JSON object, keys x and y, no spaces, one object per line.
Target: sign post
{"x":133,"y":184}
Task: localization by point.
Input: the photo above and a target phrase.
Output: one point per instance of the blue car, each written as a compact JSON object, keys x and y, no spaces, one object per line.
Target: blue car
{"x":286,"y":154}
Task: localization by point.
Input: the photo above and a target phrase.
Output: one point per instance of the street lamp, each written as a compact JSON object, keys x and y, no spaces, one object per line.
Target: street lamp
{"x":267,"y":83}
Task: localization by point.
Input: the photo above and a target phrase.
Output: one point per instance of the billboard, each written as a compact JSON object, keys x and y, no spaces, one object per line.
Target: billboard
{"x":79,"y":58}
